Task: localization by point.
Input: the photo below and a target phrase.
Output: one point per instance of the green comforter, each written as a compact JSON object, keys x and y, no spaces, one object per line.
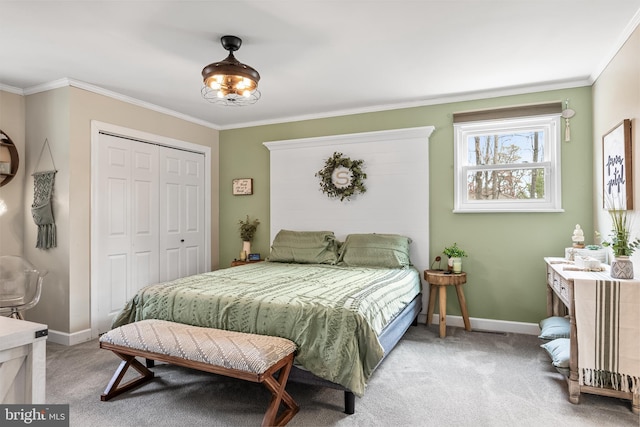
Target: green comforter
{"x":334,"y":314}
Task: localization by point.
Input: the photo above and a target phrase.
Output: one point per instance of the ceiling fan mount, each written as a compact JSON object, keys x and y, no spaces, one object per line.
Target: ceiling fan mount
{"x":231,"y":43}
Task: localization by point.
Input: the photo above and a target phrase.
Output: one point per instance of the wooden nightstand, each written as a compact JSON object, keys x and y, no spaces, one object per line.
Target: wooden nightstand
{"x":439,"y":280}
{"x":237,"y":262}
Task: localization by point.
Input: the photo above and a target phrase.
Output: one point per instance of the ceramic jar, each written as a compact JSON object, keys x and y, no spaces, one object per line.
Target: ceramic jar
{"x":622,"y":268}
{"x":456,"y":265}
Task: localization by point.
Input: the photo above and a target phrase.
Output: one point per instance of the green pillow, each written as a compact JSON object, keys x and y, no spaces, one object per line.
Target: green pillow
{"x":559,"y":350}
{"x":554,"y":327}
{"x":304,"y":247}
{"x":375,"y":250}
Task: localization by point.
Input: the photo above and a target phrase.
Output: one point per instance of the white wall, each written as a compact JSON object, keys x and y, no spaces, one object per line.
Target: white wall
{"x":396,"y":201}
{"x":616,"y":96}
{"x":12,"y":113}
{"x":47,"y":117}
{"x":64,"y":116}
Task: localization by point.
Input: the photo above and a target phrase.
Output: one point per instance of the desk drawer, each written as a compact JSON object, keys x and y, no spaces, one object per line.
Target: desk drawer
{"x":561,"y":287}
{"x":550,"y":274}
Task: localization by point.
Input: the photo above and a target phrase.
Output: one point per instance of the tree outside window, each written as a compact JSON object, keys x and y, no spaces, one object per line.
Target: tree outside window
{"x":508,"y":165}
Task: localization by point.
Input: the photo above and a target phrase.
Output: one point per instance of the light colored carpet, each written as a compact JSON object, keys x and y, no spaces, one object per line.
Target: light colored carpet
{"x":466,"y":379}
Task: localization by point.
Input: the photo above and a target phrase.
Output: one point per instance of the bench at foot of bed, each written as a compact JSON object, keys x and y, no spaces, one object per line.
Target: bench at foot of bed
{"x":248,"y":357}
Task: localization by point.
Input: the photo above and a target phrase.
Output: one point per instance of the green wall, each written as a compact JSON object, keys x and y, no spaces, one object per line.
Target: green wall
{"x":506,"y":273}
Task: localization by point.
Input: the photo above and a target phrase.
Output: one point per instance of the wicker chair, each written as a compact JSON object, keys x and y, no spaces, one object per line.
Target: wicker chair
{"x":20,"y":286}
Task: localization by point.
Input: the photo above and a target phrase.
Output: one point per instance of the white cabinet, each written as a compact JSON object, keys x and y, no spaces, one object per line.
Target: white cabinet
{"x":22,"y":361}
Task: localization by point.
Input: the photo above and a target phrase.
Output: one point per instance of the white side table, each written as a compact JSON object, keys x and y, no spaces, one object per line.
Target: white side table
{"x":22,"y":361}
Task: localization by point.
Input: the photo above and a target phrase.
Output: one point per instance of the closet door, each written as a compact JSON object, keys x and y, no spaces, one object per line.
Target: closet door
{"x":182,"y":197}
{"x":148,"y":216}
{"x":127,"y":222}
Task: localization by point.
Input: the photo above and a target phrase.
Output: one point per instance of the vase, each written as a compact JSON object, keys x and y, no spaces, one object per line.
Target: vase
{"x":622,"y":268}
{"x":246,"y":249}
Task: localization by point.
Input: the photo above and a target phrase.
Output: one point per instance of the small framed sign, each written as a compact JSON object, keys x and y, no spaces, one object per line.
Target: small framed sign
{"x":253,"y":257}
{"x":242,"y":186}
{"x":617,"y":182}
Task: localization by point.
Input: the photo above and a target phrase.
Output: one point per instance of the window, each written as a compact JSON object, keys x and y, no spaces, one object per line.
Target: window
{"x":508,"y":165}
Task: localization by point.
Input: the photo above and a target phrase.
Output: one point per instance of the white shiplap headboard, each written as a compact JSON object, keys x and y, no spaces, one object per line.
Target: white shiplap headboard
{"x":396,"y":201}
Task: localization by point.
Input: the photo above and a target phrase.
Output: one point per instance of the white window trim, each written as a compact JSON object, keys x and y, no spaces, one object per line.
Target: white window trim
{"x":552,"y":165}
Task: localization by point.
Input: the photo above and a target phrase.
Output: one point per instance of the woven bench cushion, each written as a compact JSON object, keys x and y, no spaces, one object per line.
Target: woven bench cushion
{"x":234,"y":350}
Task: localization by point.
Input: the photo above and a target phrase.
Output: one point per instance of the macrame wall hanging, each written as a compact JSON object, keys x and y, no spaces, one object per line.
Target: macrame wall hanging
{"x":42,"y":207}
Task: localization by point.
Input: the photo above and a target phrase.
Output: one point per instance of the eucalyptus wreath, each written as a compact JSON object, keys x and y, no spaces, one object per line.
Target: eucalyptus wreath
{"x":357,"y":177}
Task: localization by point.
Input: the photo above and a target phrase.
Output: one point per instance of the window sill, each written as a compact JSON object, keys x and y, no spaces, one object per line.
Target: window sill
{"x":508,"y":210}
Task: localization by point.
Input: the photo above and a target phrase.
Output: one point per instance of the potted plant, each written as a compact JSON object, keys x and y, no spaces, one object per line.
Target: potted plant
{"x":621,"y":244}
{"x":248,"y":230}
{"x":455,"y":254}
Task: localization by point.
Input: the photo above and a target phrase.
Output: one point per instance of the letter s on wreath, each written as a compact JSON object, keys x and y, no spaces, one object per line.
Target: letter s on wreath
{"x":342,"y":177}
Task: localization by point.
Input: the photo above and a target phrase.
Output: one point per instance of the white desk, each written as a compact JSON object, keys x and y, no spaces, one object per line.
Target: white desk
{"x":22,"y":361}
{"x":561,"y":301}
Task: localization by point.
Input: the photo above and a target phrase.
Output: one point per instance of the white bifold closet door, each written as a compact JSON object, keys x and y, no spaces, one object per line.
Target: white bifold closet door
{"x":150,"y":219}
{"x":181,"y":213}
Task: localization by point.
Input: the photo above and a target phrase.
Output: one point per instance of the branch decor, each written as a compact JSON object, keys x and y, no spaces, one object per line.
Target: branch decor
{"x":342,"y":177}
{"x":248,"y":229}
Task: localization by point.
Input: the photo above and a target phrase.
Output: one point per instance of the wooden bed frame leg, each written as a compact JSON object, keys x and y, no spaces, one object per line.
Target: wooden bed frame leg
{"x":113,"y":390}
{"x":150,"y":363}
{"x":349,"y":403}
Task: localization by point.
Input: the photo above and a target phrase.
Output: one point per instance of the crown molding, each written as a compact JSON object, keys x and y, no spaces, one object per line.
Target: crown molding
{"x":66,"y":82}
{"x":624,"y":36}
{"x":461,"y":97}
{"x":55,"y":84}
{"x":11,"y":89}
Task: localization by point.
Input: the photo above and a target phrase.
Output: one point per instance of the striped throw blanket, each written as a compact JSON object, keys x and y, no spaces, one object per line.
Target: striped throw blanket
{"x":608,"y":328}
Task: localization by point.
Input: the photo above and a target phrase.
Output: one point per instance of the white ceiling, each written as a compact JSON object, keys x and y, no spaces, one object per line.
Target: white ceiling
{"x":315,"y":58}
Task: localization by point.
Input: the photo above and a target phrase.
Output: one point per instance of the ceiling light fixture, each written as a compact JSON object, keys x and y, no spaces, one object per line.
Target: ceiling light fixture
{"x":230,"y":82}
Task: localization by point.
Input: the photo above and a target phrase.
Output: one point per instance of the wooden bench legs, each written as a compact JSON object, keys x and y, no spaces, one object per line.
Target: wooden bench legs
{"x":113,"y":388}
{"x":279,"y":397}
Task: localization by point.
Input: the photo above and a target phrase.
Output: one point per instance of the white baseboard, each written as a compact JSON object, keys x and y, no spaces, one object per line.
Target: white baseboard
{"x":487,"y":325}
{"x":65,"y":338}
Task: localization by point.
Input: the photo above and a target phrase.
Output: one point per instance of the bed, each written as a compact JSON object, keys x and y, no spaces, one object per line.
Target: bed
{"x":344,"y":305}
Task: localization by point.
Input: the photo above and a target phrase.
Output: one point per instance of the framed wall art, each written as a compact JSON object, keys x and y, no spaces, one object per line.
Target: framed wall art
{"x":617,"y":170}
{"x":242,"y":186}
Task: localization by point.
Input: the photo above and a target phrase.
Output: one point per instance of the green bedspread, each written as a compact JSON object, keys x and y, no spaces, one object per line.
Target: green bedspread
{"x":334,"y":314}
